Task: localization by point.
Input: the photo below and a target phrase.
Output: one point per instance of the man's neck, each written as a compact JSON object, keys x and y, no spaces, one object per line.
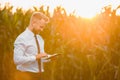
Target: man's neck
{"x":32,"y":29}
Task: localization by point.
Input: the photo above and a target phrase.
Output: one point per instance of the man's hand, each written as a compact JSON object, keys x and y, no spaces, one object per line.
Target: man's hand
{"x":41,"y":55}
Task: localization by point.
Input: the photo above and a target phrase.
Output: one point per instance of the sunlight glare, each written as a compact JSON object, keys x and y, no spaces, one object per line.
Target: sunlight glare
{"x":86,"y":9}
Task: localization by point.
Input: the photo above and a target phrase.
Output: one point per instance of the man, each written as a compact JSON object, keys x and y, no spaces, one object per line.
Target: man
{"x":27,"y":52}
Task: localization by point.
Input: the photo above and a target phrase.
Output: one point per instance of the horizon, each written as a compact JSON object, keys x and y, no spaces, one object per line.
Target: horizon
{"x":79,"y":8}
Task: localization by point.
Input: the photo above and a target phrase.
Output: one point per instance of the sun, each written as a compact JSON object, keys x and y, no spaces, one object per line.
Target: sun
{"x":87,"y":8}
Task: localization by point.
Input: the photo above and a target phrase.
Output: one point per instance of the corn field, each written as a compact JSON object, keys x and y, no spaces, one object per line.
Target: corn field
{"x":90,"y":48}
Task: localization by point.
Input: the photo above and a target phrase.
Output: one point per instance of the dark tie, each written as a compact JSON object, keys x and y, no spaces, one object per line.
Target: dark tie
{"x":38,"y":47}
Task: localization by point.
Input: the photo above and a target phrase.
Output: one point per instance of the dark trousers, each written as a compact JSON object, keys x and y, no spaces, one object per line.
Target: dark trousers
{"x":27,"y":76}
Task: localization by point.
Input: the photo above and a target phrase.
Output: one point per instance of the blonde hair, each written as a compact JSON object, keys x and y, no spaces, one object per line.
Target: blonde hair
{"x":39,"y":16}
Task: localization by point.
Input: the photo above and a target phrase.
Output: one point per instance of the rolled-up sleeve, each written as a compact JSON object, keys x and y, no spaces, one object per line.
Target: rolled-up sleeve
{"x":19,"y":53}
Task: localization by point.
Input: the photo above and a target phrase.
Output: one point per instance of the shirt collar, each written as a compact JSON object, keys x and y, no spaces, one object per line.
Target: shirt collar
{"x":29,"y":32}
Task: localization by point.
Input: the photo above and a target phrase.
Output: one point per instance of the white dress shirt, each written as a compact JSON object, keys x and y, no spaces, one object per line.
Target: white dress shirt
{"x":25,"y":51}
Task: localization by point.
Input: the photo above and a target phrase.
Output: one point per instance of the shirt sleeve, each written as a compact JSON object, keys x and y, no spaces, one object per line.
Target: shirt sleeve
{"x":19,"y":51}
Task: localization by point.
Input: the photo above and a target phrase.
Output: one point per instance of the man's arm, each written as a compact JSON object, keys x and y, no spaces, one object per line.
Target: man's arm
{"x":19,"y":50}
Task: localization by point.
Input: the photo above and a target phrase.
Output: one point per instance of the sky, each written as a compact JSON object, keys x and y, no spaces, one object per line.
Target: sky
{"x":84,"y":8}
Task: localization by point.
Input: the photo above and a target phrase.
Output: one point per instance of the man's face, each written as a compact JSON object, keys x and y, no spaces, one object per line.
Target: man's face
{"x":39,"y":25}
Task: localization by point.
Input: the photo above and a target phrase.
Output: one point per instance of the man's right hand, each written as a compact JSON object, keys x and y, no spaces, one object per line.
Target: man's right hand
{"x":41,"y":55}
